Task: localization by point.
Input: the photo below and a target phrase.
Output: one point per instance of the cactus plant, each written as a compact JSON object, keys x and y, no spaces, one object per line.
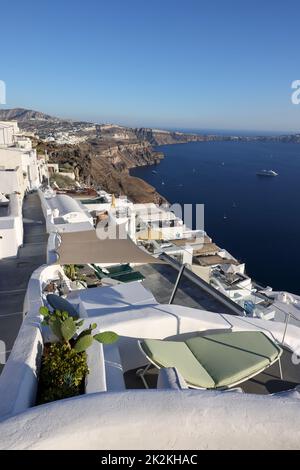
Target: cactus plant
{"x":68,"y":328}
{"x":64,"y":365}
{"x":84,"y":342}
{"x":70,"y":271}
{"x":73,"y":273}
{"x":107,"y":337}
{"x":65,"y":329}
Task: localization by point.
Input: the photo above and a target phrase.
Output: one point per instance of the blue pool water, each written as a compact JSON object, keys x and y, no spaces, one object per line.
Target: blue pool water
{"x":255,"y":218}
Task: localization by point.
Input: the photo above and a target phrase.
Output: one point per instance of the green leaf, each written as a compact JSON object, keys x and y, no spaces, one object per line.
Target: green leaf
{"x":55,"y":325}
{"x":80,"y":323}
{"x":83,"y":333}
{"x":93,"y":326}
{"x":64,"y":315}
{"x":83,"y":343}
{"x":106,"y":337}
{"x":44,"y":311}
{"x":68,"y":328}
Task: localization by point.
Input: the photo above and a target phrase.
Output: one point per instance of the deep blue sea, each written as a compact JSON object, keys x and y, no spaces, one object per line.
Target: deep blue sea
{"x":257,"y":219}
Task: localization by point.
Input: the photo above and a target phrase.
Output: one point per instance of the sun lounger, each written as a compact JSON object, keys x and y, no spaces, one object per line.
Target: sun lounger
{"x":122,"y":273}
{"x":214,"y":361}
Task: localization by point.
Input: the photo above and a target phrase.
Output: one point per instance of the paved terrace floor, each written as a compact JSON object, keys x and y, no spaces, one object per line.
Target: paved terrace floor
{"x":15,"y":272}
{"x":160,"y":280}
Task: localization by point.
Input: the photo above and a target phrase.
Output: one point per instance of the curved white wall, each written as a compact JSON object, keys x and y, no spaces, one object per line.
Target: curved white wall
{"x":162,"y":419}
{"x":18,"y":381}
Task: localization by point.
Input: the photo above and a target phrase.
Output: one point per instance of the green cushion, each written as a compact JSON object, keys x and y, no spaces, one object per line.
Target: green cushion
{"x":59,"y":303}
{"x":119,"y":269}
{"x":129,"y":277}
{"x":215,"y":360}
{"x":177,"y":354}
{"x":122,"y":273}
{"x":231,"y":357}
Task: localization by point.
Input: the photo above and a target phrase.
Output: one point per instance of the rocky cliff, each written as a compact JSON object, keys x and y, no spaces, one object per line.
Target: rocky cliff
{"x":103,"y":154}
{"x":158,"y":137}
{"x":142,"y":134}
{"x":107,"y":166}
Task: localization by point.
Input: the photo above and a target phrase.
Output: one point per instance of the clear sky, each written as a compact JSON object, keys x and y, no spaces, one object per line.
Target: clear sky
{"x":168,"y":63}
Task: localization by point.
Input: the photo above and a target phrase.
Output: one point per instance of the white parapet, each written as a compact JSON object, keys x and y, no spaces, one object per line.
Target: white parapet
{"x":158,"y":419}
{"x":19,"y":378}
{"x":138,"y":419}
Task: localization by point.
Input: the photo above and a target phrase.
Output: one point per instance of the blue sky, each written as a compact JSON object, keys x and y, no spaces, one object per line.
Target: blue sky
{"x":187,"y":64}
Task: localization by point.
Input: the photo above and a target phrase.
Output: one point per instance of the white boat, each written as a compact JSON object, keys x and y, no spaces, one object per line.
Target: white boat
{"x":267,"y":173}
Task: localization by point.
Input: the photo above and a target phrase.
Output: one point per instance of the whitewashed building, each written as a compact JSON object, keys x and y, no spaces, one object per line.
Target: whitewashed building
{"x":64,"y":214}
{"x":20,"y":168}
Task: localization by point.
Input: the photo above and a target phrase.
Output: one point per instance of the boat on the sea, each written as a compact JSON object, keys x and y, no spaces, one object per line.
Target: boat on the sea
{"x":154,"y":172}
{"x":267,"y":173}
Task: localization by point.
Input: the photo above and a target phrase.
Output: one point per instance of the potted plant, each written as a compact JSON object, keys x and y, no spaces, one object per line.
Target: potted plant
{"x":64,"y":363}
{"x":77,"y":279}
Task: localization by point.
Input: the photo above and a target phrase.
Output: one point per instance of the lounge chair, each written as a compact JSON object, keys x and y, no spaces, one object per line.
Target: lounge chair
{"x":122,"y":273}
{"x":213,"y":361}
{"x":119,"y":269}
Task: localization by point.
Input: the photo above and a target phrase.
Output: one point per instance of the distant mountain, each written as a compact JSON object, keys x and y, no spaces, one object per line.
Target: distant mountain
{"x":21,"y":114}
{"x":44,"y":125}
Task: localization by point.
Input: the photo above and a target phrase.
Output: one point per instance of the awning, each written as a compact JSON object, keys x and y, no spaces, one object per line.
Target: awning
{"x":85,"y":248}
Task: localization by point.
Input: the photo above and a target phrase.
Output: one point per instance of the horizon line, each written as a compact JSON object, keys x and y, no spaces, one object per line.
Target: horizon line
{"x":154,"y":127}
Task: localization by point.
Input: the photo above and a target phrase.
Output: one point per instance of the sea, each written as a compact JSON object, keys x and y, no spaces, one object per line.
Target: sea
{"x":257,"y":219}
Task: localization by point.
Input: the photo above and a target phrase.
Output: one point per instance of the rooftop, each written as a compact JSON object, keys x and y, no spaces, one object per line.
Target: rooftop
{"x":191,"y":241}
{"x":160,"y":280}
{"x":213,"y":260}
{"x":65,"y":204}
{"x":207,"y":248}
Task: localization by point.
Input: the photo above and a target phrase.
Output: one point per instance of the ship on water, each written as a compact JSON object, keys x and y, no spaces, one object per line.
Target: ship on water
{"x":267,"y":173}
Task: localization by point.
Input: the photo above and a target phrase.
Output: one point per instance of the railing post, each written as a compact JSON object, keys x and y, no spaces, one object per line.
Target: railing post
{"x":285,"y":328}
{"x":176,"y":283}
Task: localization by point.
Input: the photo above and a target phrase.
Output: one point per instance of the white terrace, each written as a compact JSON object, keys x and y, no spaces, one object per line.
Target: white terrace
{"x":114,"y":412}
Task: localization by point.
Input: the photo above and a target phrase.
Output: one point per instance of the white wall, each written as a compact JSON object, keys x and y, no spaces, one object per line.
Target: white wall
{"x":12,"y":181}
{"x":7,"y":131}
{"x":157,"y":419}
{"x":52,"y":168}
{"x":11,"y":228}
{"x":30,"y":167}
{"x":24,"y":162}
{"x":18,"y":381}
